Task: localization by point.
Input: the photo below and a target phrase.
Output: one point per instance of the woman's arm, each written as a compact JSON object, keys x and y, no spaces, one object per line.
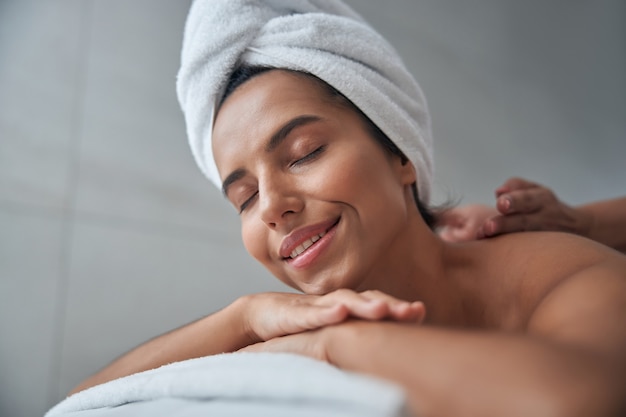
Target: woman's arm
{"x":571,"y":361}
{"x":252,"y":319}
{"x":219,"y":332}
{"x":454,"y":373}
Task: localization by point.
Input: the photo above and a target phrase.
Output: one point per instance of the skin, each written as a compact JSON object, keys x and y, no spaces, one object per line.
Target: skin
{"x":522,"y":205}
{"x":523,"y":324}
{"x":374,"y":220}
{"x":528,"y":294}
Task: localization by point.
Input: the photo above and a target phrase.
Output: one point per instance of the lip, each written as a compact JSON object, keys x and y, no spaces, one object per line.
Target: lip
{"x":310,"y":256}
{"x":297,"y":237}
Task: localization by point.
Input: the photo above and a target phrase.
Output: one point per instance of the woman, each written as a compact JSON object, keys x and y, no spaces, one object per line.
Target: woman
{"x":522,"y":324}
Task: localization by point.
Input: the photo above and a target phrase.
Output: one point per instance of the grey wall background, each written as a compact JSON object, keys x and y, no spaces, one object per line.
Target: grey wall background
{"x":109,"y":235}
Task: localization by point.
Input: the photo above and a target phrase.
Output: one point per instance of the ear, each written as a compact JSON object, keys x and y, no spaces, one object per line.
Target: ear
{"x":406,"y":172}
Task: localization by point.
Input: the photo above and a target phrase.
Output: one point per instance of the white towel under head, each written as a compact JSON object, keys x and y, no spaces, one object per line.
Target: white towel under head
{"x":322,"y":37}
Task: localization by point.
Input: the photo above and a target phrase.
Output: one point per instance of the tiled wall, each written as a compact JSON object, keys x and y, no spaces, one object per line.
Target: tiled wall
{"x":109,"y":234}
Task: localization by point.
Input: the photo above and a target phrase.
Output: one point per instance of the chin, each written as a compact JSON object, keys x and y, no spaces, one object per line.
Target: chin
{"x":321,"y":285}
{"x":317,"y":289}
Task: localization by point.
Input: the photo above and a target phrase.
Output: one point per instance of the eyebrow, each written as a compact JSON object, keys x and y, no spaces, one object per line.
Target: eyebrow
{"x":236,"y":175}
{"x":282,"y":133}
{"x":274,"y":142}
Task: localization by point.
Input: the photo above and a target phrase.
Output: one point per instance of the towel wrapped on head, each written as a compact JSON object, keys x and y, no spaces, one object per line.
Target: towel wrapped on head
{"x":322,"y":37}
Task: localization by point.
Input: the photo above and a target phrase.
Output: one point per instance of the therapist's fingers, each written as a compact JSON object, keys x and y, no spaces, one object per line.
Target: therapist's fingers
{"x":514,"y":183}
{"x":509,"y":224}
{"x":453,"y":226}
{"x":456,"y":234}
{"x":460,"y":224}
{"x":459,"y":231}
{"x":527,"y":201}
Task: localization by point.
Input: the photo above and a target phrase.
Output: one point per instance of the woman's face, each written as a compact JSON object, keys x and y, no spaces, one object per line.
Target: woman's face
{"x":322,"y":205}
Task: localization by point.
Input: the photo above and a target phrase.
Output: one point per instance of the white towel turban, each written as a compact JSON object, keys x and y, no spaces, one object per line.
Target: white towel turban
{"x":322,"y":37}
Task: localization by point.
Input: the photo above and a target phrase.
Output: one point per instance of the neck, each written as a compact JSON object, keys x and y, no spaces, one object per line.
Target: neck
{"x":421,"y":267}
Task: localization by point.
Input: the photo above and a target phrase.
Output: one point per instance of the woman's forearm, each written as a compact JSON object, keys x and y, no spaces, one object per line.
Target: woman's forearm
{"x":220,"y":332}
{"x":454,"y":372}
{"x":255,"y":318}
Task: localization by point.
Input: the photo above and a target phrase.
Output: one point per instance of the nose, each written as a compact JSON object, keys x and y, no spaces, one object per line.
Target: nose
{"x":279,"y":200}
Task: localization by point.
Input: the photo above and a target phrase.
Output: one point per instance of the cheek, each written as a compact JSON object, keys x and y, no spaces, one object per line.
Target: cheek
{"x":255,"y":240}
{"x":367,"y":180}
{"x":369,"y":185}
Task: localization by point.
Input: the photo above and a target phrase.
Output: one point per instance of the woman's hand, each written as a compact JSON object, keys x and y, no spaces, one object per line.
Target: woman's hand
{"x":270,"y":315}
{"x":312,"y":343}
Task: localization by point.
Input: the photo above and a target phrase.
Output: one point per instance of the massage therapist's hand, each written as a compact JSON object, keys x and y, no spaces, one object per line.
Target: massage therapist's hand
{"x":462,"y":224}
{"x":527,"y":206}
{"x":270,"y":315}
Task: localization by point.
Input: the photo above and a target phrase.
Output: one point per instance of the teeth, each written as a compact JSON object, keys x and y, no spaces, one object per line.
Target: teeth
{"x":305,"y":245}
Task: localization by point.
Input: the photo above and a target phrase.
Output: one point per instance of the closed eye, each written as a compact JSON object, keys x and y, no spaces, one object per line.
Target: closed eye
{"x":309,"y":157}
{"x":246,"y":203}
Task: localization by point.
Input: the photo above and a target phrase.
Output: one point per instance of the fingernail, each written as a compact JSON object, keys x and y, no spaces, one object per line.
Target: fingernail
{"x":399,"y":308}
{"x":401,"y":304}
{"x":506,"y":203}
{"x":489,"y":228}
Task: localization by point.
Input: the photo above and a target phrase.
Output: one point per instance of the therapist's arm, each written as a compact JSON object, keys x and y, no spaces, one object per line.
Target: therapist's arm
{"x":607,"y":222}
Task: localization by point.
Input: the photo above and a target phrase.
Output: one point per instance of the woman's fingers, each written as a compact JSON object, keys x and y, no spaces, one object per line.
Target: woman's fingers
{"x":399,"y":309}
{"x":277,"y":314}
{"x":340,"y":305}
{"x":269,"y":315}
{"x":358,"y":305}
{"x":312,"y":317}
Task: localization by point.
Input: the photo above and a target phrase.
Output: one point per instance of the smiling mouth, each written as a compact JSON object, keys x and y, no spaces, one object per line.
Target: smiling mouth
{"x":302,"y":247}
{"x":305,"y":245}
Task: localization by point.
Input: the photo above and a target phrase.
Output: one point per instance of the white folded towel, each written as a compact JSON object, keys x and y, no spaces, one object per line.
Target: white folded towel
{"x":322,"y":37}
{"x":233,"y":384}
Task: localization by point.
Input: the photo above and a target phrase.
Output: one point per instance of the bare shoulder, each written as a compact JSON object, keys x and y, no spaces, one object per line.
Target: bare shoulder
{"x":552,"y":252}
{"x":528,"y":277}
{"x":580,"y":290}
